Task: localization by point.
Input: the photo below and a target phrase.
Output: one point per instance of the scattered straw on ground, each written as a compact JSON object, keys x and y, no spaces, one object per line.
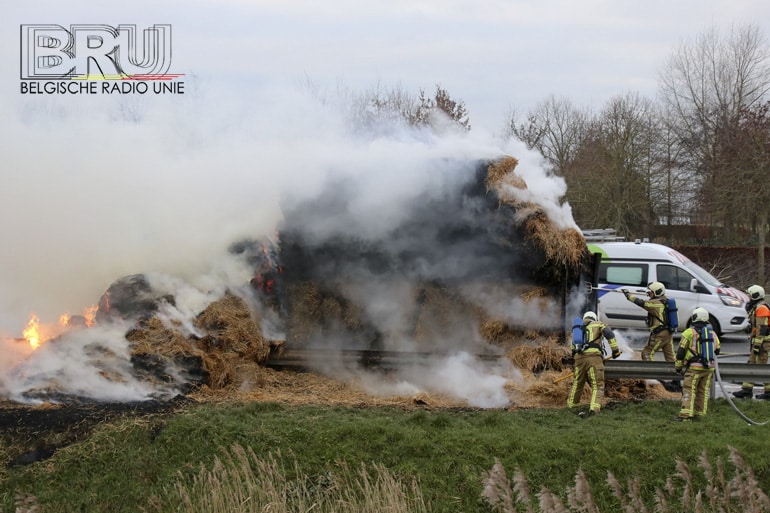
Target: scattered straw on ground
{"x":535,"y":383}
{"x":303,"y":388}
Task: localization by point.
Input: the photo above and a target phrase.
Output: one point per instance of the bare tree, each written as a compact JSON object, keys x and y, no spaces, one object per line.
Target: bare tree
{"x":381,"y":103}
{"x":395,"y":105}
{"x":554,"y":128}
{"x":613,"y":179}
{"x":703,"y":87}
{"x":454,"y":110}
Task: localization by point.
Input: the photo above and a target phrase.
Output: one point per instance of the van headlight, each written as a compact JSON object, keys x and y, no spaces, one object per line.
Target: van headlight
{"x":730,"y":300}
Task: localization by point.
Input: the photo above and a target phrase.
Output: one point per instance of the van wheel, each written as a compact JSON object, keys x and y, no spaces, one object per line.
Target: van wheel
{"x":715,"y":325}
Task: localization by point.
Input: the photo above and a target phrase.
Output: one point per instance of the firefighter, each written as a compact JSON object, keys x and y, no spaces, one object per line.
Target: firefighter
{"x":695,"y":357}
{"x":661,"y":336}
{"x":759,"y":321}
{"x":589,"y":363}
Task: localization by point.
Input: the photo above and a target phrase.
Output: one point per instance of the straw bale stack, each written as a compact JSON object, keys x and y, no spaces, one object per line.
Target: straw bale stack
{"x":562,"y":251}
{"x":162,"y":354}
{"x":230,"y":327}
{"x":534,"y":255}
{"x":442,"y":314}
{"x":547,"y":356}
{"x":233,"y":347}
{"x":229,"y":353}
{"x":316,"y":314}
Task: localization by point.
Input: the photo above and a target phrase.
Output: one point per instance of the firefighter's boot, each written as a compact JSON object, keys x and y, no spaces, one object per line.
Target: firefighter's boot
{"x":744,"y":393}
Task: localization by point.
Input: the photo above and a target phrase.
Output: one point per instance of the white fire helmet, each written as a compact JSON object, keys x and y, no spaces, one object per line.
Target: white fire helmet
{"x":755,"y":292}
{"x":700,"y":314}
{"x":657,"y":289}
{"x":589,"y":316}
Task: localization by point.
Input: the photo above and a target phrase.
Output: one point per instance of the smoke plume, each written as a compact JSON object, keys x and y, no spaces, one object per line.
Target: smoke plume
{"x":101,"y":188}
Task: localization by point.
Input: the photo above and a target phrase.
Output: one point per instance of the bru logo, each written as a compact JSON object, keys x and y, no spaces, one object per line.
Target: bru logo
{"x":93,"y":51}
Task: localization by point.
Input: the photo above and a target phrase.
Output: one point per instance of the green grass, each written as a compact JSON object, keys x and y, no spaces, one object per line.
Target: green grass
{"x":132,"y":465}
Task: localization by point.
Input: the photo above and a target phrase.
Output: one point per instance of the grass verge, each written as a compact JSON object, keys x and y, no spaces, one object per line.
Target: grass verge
{"x":138,"y":464}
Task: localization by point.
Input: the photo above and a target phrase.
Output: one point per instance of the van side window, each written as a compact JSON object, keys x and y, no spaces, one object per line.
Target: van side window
{"x":634,"y":275}
{"x":674,"y":278}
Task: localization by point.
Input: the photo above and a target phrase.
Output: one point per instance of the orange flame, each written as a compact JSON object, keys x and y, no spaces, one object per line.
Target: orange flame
{"x":35,"y":333}
{"x":31,"y":332}
{"x":90,"y":315}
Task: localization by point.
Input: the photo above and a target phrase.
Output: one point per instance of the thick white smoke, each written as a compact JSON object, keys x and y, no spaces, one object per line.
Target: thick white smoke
{"x":100,"y":188}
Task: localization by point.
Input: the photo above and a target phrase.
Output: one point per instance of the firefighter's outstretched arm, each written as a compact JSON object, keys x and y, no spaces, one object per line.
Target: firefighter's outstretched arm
{"x":635,"y":300}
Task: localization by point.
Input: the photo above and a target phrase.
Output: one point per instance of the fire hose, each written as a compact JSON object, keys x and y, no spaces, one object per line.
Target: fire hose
{"x":730,"y":401}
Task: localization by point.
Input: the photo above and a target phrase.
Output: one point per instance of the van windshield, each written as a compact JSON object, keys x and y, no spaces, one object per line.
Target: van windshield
{"x":702,"y":274}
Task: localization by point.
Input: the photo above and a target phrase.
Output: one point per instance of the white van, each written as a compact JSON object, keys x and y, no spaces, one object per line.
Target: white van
{"x":632,"y":265}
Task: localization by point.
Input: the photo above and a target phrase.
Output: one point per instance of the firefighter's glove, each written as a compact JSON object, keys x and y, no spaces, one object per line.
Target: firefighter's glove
{"x":679,"y":370}
{"x":615,"y":354}
{"x":716,"y":351}
{"x":755,"y":348}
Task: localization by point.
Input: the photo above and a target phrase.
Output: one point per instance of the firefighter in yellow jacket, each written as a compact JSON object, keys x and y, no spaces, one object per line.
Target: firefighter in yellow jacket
{"x":695,"y":358}
{"x":759,"y":320}
{"x":661,"y":336}
{"x":589,"y":363}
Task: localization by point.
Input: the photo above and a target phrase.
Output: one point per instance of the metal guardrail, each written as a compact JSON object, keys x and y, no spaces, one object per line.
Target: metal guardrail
{"x":637,"y":369}
{"x":613,"y":369}
{"x":308,"y":357}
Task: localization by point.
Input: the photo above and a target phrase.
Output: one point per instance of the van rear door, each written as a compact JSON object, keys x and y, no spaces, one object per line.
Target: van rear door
{"x":617,"y":311}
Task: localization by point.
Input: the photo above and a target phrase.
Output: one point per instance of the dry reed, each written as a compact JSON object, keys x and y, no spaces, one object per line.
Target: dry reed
{"x":240,"y":480}
{"x":739,"y":494}
{"x":26,"y":503}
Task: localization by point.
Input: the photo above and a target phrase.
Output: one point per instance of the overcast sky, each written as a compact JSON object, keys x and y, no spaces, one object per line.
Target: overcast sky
{"x":493,"y":55}
{"x":87,"y":197}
